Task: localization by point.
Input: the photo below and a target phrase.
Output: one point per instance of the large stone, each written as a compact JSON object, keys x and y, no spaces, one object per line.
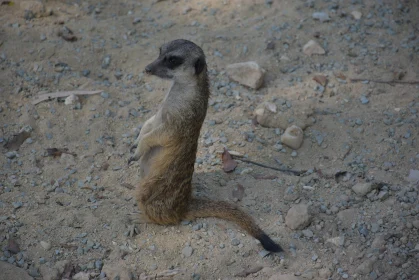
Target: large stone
{"x":312,"y":47}
{"x":9,"y":272}
{"x":266,"y":116}
{"x":298,"y":217}
{"x":362,"y":189}
{"x":246,"y":73}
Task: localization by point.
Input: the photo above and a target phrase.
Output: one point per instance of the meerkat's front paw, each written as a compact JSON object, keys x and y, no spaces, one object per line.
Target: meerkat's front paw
{"x":136,"y":156}
{"x":131,"y":159}
{"x":133,"y":147}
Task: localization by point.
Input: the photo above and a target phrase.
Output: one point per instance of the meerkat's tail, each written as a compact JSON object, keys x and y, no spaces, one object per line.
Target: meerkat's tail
{"x":202,"y":208}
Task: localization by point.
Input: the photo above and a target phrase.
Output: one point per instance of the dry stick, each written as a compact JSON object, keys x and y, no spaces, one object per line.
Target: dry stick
{"x":384,"y":82}
{"x":293,"y":172}
{"x":48,"y":96}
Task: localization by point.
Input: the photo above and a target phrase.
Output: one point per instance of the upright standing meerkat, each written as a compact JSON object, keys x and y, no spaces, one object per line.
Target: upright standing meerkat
{"x":168,"y":142}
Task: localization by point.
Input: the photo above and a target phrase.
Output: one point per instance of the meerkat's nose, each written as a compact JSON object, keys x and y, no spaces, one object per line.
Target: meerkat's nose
{"x":148,"y":69}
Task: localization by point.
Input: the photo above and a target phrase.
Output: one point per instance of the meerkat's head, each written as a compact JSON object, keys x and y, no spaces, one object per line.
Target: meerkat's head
{"x":179,"y":60}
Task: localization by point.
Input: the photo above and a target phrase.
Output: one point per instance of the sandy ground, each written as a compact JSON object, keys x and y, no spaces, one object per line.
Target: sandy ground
{"x":67,"y":214}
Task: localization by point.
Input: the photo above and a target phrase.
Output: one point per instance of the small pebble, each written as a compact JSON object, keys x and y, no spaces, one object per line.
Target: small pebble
{"x":364,"y":100}
{"x":187,"y":251}
{"x":235,"y":242}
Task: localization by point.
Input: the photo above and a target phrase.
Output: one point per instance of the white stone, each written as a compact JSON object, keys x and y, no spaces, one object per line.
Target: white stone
{"x":71,"y":100}
{"x":45,"y":245}
{"x":293,"y":137}
{"x":312,"y":47}
{"x":246,"y":73}
{"x":356,"y":14}
{"x":337,"y":241}
{"x":321,"y":16}
{"x":298,"y":217}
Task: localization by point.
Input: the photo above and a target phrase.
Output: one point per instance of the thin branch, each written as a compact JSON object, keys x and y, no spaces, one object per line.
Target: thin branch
{"x":48,"y":96}
{"x":285,"y":170}
{"x":354,"y":80}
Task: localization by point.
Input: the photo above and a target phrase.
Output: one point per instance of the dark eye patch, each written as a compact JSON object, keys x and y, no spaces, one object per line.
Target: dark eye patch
{"x":173,"y":61}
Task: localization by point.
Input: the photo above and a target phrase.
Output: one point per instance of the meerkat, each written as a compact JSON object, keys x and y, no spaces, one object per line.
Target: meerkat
{"x":168,"y":143}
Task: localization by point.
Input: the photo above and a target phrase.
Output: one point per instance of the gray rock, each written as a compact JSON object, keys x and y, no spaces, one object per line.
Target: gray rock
{"x":106,"y":61}
{"x":45,"y":245}
{"x":264,"y":253}
{"x":366,"y":266}
{"x":197,"y":227}
{"x":321,"y":16}
{"x":9,"y":271}
{"x":364,"y":100}
{"x":187,"y":251}
{"x":11,"y":154}
{"x":363,"y":189}
{"x":33,"y":271}
{"x":17,"y":205}
{"x":308,"y":233}
{"x":378,"y":242}
{"x":98,"y":264}
{"x":298,"y":217}
{"x":235,"y":242}
{"x":347,"y":217}
{"x":383,"y":195}
{"x":85,"y":73}
{"x":246,"y":73}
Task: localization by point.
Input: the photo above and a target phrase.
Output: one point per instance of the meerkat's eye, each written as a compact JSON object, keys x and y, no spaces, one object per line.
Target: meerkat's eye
{"x":174,"y":61}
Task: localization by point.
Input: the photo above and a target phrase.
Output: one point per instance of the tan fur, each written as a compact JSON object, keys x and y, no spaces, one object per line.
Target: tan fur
{"x":167,"y":147}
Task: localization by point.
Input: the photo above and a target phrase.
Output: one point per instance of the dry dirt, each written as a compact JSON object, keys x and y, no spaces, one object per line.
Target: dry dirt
{"x":68,"y":213}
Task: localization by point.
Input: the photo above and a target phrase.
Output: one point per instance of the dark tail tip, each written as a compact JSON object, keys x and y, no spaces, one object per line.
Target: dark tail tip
{"x":268,"y":244}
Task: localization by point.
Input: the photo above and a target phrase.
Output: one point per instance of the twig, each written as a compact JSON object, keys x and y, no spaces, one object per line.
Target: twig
{"x":285,"y":170}
{"x":49,"y":96}
{"x":354,"y":80}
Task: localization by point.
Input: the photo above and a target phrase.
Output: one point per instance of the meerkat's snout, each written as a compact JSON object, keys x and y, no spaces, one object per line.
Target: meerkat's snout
{"x":147,"y":69}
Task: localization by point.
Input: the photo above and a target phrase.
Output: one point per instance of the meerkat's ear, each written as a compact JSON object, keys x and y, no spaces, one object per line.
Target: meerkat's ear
{"x":199,"y":66}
